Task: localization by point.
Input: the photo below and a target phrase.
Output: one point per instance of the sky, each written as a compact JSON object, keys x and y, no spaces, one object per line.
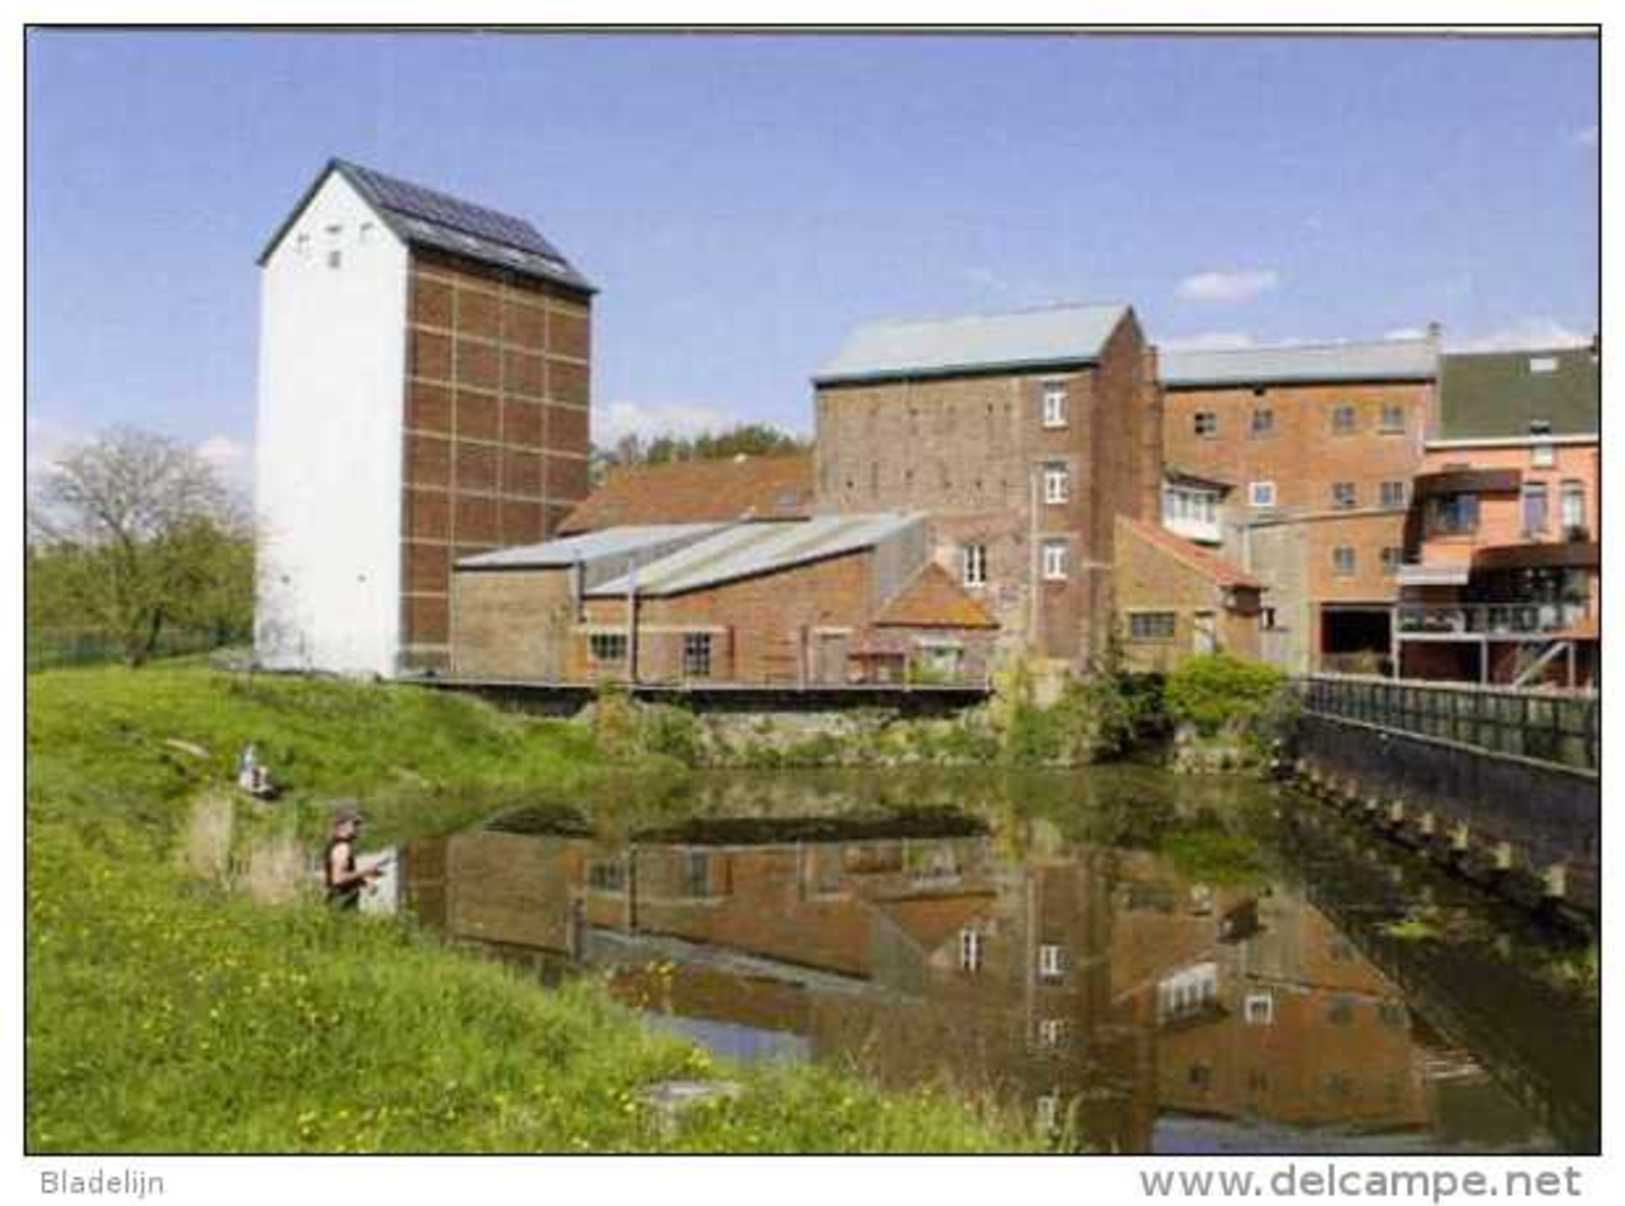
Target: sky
{"x":743,"y":202}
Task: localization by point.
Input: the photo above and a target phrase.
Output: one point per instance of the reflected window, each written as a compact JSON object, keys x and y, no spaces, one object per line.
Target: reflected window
{"x":1260,"y":1010}
{"x":1049,"y":961}
{"x":1200,"y":1074}
{"x":1051,"y":1032}
{"x":607,"y":875}
{"x":1049,"y":1109}
{"x":970,"y":950}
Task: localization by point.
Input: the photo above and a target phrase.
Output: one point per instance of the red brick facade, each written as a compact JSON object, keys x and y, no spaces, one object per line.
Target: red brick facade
{"x":496,"y":427}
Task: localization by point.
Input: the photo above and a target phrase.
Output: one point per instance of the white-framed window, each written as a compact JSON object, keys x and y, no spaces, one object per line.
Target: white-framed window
{"x":1049,"y":960}
{"x":1343,"y":495}
{"x":1151,"y":626}
{"x":607,"y":646}
{"x":1263,"y":421}
{"x":1205,"y":423}
{"x":973,"y":564}
{"x":1574,"y":505}
{"x":1054,"y":567}
{"x":1056,"y":482}
{"x":1542,"y":456}
{"x":1260,"y":1009}
{"x":1051,"y":1032}
{"x":697,"y":654}
{"x":1393,"y":417}
{"x":1534,"y":507}
{"x":1343,"y":419}
{"x":1393,"y":494}
{"x":970,"y":949}
{"x":1261,"y":494}
{"x":1048,"y":1112}
{"x":1055,"y":404}
{"x":1543,"y":364}
{"x":1343,"y":561}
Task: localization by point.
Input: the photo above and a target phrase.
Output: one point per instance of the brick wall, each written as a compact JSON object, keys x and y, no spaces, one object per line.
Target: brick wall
{"x":1150,"y":579}
{"x":512,"y":623}
{"x":496,"y":403}
{"x":970,"y":452}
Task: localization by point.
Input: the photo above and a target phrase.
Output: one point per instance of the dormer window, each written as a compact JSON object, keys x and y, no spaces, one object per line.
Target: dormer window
{"x":1540,"y":427}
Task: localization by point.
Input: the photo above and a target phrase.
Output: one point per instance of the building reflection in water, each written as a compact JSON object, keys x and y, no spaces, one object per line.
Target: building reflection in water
{"x":1094,"y":990}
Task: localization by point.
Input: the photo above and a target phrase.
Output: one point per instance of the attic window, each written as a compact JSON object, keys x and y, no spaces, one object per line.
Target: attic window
{"x":1540,"y":427}
{"x":1543,"y":364}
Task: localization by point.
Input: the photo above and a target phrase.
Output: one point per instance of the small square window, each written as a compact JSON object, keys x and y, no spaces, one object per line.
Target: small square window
{"x":1051,"y":1032}
{"x":1263,"y":421}
{"x":1261,"y":494}
{"x":1055,"y":560}
{"x":1542,"y":456}
{"x":1392,"y":558}
{"x":697,"y":654}
{"x":607,"y":646}
{"x":1343,"y":495}
{"x":1055,"y":483}
{"x":1393,"y":494}
{"x":1393,"y":418}
{"x":1260,"y":1009}
{"x":1343,"y":561}
{"x":1343,"y":420}
{"x":1205,"y":423}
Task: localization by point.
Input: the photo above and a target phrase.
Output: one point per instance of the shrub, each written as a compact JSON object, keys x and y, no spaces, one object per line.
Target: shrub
{"x":1216,"y":691}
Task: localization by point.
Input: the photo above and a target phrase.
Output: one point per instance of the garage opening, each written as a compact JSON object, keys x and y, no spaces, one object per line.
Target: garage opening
{"x":1356,"y":640}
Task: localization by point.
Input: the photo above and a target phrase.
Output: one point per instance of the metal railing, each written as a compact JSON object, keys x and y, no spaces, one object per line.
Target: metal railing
{"x":1561,"y":727}
{"x":1491,"y":619}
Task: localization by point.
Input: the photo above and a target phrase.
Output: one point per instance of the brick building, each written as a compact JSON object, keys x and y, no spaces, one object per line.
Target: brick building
{"x":1502,"y":575}
{"x":1021,"y":435}
{"x":739,"y":488}
{"x":1176,"y":599}
{"x":423,"y":395}
{"x":828,"y":601}
{"x":1321,"y":443}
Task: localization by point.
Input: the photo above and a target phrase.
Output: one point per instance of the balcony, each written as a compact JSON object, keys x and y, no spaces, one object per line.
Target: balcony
{"x":1492,"y":620}
{"x":1411,"y":574}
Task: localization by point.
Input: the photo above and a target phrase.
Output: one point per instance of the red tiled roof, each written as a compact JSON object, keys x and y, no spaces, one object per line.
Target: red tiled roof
{"x":762,"y":487}
{"x":1197,"y":558}
{"x":932,"y":599}
{"x":932,"y":920}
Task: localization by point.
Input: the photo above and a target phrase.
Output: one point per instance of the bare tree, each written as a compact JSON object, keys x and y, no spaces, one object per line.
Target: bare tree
{"x":141,"y":535}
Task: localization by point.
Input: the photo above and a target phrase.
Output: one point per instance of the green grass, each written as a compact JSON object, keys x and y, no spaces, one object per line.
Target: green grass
{"x":168,"y":1014}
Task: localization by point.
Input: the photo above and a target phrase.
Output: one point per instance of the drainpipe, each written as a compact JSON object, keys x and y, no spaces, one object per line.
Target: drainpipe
{"x":632,"y":620}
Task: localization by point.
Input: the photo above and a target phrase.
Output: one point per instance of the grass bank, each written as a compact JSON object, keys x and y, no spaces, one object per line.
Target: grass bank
{"x":167,"y":1013}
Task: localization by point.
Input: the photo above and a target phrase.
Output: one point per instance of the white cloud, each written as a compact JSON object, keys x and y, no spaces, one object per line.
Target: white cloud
{"x":1405,"y":333}
{"x":1241,"y":285}
{"x":231,"y":459}
{"x":1584,"y":138}
{"x":649,"y":420}
{"x":1533,"y":331}
{"x":1207,"y":341}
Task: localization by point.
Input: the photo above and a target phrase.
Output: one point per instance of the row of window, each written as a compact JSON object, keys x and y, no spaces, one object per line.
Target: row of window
{"x":1345,"y":495}
{"x":1052,"y":562}
{"x":1344,"y":418}
{"x":608,"y":648}
{"x":973,"y":946}
{"x":1450,"y":514}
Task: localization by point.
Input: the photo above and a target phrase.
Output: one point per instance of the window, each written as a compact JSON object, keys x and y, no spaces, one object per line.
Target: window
{"x":1200,"y":1075}
{"x":1266,"y":618}
{"x":1393,"y":494}
{"x":697,"y":654}
{"x":1205,"y":423}
{"x":1049,"y":961}
{"x":1343,"y":420}
{"x":335,"y":258}
{"x":1343,"y":495}
{"x":1455,"y":513}
{"x":607,"y":875}
{"x":1151,"y":626}
{"x":1540,"y":427}
{"x":607,"y":646}
{"x":1261,"y":494}
{"x":970,"y":950}
{"x":1343,"y":561}
{"x":1260,"y":1009}
{"x":1543,"y":364}
{"x":697,"y":874}
{"x":1055,"y":404}
{"x":1049,"y":1107}
{"x":1392,"y":558}
{"x":973,"y":564}
{"x":1534,"y":508}
{"x":1263,"y":421}
{"x":1574,"y":505}
{"x":1542,"y":456}
{"x":1051,"y":1031}
{"x":1055,"y":560}
{"x":1393,"y":418}
{"x":1055,"y":483}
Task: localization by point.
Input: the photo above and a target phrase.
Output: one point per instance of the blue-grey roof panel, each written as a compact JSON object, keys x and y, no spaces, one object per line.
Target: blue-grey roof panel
{"x":1383,"y":360}
{"x":610,"y":542}
{"x":755,"y":548}
{"x":974,"y":343}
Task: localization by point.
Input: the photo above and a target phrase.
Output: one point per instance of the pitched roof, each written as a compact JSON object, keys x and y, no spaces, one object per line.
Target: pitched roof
{"x":765,"y":487}
{"x":1379,"y":360}
{"x":747,"y":549}
{"x":1498,"y":394}
{"x":1054,"y":335}
{"x":611,"y":542}
{"x":423,"y":217}
{"x":929,"y":921}
{"x":1222,"y":572}
{"x":932,"y":599}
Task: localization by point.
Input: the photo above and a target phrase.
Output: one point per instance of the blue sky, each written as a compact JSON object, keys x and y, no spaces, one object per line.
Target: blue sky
{"x":743,"y":202}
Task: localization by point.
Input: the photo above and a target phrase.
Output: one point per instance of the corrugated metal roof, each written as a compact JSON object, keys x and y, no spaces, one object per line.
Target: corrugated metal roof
{"x":611,"y":542}
{"x":1499,"y":394}
{"x":428,"y":218}
{"x":974,"y":343}
{"x":756,"y":548}
{"x":1381,"y":360}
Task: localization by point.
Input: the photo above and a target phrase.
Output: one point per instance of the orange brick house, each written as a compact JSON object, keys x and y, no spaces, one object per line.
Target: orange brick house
{"x":1321,"y":443}
{"x":1502,"y":575}
{"x":1176,"y":599}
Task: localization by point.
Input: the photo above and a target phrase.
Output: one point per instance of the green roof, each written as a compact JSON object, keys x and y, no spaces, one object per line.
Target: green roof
{"x":1484,"y":395}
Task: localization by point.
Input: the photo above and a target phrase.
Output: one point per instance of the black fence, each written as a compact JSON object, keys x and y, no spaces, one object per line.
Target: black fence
{"x":1562,"y":727}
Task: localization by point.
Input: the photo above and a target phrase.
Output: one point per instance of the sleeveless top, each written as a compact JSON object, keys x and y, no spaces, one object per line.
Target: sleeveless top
{"x":348,"y":896}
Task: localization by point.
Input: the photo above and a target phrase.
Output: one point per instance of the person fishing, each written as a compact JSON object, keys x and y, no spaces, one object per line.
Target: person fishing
{"x":344,"y":875}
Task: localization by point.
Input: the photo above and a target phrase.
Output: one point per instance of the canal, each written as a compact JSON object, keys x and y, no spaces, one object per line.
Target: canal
{"x":1132,"y":961}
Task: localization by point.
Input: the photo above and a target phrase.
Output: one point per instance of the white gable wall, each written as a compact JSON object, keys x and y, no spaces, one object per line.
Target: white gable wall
{"x":332,"y":363}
